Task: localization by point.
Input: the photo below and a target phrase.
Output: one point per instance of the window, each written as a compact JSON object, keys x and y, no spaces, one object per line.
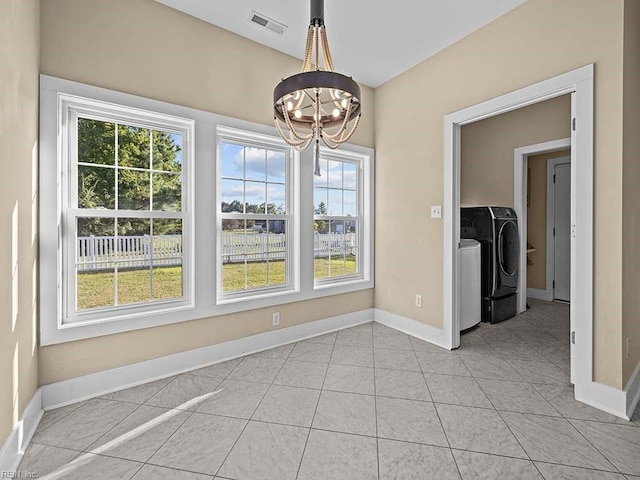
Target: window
{"x":125,"y":210}
{"x":153,"y":213}
{"x":338,"y":219}
{"x":255,"y":215}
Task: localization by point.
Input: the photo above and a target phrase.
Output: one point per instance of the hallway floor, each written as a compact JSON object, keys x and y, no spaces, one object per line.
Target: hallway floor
{"x":364,"y":403}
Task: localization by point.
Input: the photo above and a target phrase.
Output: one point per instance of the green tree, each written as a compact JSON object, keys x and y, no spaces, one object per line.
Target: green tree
{"x":148,"y":157}
{"x":320,"y":226}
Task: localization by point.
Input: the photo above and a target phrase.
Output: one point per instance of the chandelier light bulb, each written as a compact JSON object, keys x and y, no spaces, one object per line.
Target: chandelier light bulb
{"x":337,"y":93}
{"x":289,"y":105}
{"x":298,"y":114}
{"x":336,"y":113}
{"x":296,"y":96}
{"x":344,"y":103}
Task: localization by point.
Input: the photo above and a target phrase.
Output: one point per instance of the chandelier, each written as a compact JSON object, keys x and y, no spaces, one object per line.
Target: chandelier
{"x":318,"y":103}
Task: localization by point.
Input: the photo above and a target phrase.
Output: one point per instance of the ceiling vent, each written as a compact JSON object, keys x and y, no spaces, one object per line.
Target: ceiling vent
{"x":268,"y":23}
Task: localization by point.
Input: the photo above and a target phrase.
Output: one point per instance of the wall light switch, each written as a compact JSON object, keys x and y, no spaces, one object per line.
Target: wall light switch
{"x":436,"y":211}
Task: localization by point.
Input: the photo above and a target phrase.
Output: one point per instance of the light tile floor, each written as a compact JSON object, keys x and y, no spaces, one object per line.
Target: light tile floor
{"x":364,"y":403}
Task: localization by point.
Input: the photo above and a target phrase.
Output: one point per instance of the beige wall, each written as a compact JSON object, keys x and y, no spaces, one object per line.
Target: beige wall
{"x":19,"y":58}
{"x":536,"y":41}
{"x":631,"y":195}
{"x":486,"y":155}
{"x":537,"y":218}
{"x":144,"y":48}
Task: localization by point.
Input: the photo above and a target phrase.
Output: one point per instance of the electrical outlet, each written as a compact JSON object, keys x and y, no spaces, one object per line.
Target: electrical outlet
{"x":418,"y":301}
{"x":276,"y":319}
{"x":436,"y":211}
{"x":628,"y":347}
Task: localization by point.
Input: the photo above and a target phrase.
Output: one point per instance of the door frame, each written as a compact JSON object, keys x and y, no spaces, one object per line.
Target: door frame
{"x":551,"y":202}
{"x":580,"y":82}
{"x":520,"y":181}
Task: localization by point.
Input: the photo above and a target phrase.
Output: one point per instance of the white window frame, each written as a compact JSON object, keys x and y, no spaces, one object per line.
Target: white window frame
{"x":359,"y":161}
{"x":203,"y":219}
{"x":70,"y":109}
{"x":251,"y":139}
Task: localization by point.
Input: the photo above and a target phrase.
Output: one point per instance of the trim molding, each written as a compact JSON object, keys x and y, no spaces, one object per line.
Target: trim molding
{"x":540,"y":294}
{"x":603,"y":397}
{"x":520,"y":186}
{"x":20,"y":437}
{"x":632,"y":391}
{"x":77,"y":389}
{"x":414,"y":328}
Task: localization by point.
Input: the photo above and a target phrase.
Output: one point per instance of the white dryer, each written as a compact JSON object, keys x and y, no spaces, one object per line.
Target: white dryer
{"x":470,"y":295}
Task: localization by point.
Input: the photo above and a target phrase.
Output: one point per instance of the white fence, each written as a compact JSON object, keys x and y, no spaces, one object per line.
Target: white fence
{"x":100,"y":253}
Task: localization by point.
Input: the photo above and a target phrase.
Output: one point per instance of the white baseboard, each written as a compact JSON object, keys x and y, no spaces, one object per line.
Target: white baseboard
{"x":603,"y":397}
{"x":19,"y":438}
{"x":77,"y":389}
{"x":539,"y":294}
{"x":632,"y":391}
{"x":414,"y":328}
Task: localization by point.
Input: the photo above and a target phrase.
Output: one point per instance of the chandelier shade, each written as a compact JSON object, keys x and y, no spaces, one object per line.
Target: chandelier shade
{"x":317,"y":104}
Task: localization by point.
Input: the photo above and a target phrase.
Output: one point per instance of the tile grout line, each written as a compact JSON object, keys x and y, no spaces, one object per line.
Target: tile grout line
{"x":191,"y":413}
{"x":562,"y":417}
{"x":257,"y":406}
{"x":446,"y":437}
{"x":375,"y":398}
{"x":333,"y":346}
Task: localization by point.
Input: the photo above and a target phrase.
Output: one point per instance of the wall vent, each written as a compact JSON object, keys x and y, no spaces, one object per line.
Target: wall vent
{"x":268,"y":23}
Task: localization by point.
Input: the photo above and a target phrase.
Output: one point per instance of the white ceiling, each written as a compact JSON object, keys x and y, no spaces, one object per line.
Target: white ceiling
{"x":371,"y":40}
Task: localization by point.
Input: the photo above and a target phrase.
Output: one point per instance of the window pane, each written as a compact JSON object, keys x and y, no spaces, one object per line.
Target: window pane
{"x":276,"y":198}
{"x":167,"y":282}
{"x":133,"y":245}
{"x":350,"y":203}
{"x":134,"y":260}
{"x":232,"y":194}
{"x":133,"y":190}
{"x":320,"y":201}
{"x":255,"y":197}
{"x":335,"y":174}
{"x":234,"y":247}
{"x":96,"y":142}
{"x":95,"y":252}
{"x":321,"y":181}
{"x":255,"y":163}
{"x":231,"y":160}
{"x":167,"y":192}
{"x":167,"y":259}
{"x":134,"y":284}
{"x":276,"y":252}
{"x":134,"y":146}
{"x":350,"y":175}
{"x":335,"y":202}
{"x":256,"y":273}
{"x":167,"y":243}
{"x":167,"y":151}
{"x":96,"y":187}
{"x":277,"y":272}
{"x":351,"y":264}
{"x":233,"y":241}
{"x":95,"y":288}
{"x":276,"y":166}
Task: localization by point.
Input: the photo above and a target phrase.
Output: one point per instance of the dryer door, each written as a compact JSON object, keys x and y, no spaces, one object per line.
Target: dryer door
{"x":508,"y":254}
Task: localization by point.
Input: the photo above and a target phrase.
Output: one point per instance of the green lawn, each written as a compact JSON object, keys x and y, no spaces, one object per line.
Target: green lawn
{"x":96,"y":289}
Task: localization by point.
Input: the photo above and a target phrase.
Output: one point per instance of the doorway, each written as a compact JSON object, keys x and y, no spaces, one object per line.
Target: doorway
{"x":579,"y":83}
{"x":559,"y":226}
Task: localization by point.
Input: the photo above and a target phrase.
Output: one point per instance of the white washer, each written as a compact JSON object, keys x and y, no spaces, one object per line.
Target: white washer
{"x":469,"y":283}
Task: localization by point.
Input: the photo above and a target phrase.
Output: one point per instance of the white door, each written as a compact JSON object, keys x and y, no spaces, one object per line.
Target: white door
{"x":562,"y":231}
